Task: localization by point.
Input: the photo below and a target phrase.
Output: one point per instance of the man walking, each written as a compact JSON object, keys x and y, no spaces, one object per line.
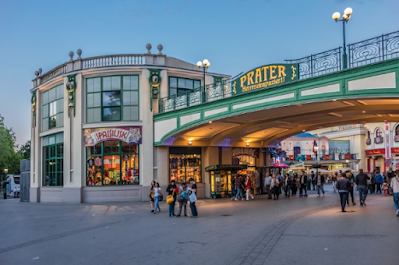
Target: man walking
{"x":379,"y":179}
{"x":239,"y":185}
{"x":361,"y":182}
{"x":313,"y":179}
{"x":343,"y":186}
{"x":351,"y":179}
{"x":268,"y":181}
{"x":302,"y":182}
{"x":395,"y":188}
{"x":372,"y":183}
{"x":320,"y":184}
{"x":334,"y":181}
{"x":281,"y":181}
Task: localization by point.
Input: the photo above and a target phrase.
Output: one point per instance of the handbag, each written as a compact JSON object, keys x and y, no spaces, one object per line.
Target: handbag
{"x":170,"y":198}
{"x":151,"y":195}
{"x":160,"y":197}
{"x":193,"y":197}
{"x":181,"y":198}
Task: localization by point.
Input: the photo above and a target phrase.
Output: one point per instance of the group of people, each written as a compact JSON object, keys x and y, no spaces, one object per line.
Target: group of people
{"x":181,"y":194}
{"x":238,"y":185}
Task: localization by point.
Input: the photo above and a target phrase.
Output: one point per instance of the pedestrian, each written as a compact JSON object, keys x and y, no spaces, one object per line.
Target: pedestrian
{"x":303,"y":180}
{"x":343,"y":186}
{"x":287,"y":185}
{"x":248,"y":188}
{"x":385,"y":187}
{"x":157,"y":193}
{"x":320,"y":184}
{"x":183,"y":198}
{"x":15,"y":192}
{"x":395,"y":190}
{"x":171,"y":191}
{"x":233,"y":188}
{"x":193,"y":198}
{"x":372,"y":183}
{"x":275,"y":186}
{"x":334,"y":181}
{"x":151,"y":195}
{"x":351,"y":179}
{"x":313,"y":180}
{"x":239,"y":188}
{"x":361,"y":183}
{"x":268,"y":181}
{"x":281,"y":181}
{"x":295,"y":184}
{"x":18,"y":190}
{"x":379,"y":179}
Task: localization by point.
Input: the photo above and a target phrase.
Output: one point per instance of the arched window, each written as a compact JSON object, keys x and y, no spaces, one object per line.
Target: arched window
{"x":378,"y":136}
{"x":397,"y":130}
{"x":378,"y":132}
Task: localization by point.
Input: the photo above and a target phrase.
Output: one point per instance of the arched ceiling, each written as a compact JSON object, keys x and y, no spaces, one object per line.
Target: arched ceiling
{"x":265,"y":128}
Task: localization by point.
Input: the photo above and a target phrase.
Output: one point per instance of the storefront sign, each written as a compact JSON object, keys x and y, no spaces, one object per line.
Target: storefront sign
{"x":378,"y":140}
{"x":326,"y":157}
{"x":375,"y":152}
{"x":395,"y":150}
{"x":348,"y":156}
{"x":254,"y":152}
{"x":264,"y":77}
{"x":130,"y":135}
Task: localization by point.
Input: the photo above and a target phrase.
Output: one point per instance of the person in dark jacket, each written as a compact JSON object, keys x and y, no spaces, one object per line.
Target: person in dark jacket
{"x":379,"y":179}
{"x":320,"y":184}
{"x":287,"y":185}
{"x":302,"y":181}
{"x":351,"y":179}
{"x":372,"y":183}
{"x":171,"y":191}
{"x":343,"y":186}
{"x":361,"y":182}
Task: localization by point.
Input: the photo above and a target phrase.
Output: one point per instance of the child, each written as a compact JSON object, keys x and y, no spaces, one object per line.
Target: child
{"x":385,"y":187}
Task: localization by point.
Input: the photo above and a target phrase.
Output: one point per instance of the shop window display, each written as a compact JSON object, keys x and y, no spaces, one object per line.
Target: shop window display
{"x":112,"y":163}
{"x":53,"y":160}
{"x":185,"y":166}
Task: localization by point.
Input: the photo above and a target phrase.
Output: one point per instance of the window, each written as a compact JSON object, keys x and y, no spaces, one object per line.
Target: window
{"x":185,"y":163}
{"x":53,"y":108}
{"x":53,"y":160}
{"x":178,"y":85}
{"x":112,"y":163}
{"x":112,"y":98}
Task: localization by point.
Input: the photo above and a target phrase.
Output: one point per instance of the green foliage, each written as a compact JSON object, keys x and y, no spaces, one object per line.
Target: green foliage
{"x":9,"y":157}
{"x":24,"y":151}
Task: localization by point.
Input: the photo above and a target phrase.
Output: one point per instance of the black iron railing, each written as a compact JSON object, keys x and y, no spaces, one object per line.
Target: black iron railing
{"x":361,"y":53}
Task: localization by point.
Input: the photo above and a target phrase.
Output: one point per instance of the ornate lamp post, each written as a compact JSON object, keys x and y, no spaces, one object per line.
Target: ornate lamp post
{"x":345,"y":18}
{"x":204,"y":64}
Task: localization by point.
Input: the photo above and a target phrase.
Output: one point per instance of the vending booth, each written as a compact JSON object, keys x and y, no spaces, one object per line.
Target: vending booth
{"x":221,"y":176}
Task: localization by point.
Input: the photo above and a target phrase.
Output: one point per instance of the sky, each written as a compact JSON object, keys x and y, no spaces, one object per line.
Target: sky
{"x":235,"y":36}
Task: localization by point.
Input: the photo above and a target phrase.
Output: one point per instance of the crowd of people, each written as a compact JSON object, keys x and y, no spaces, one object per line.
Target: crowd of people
{"x":344,"y":183}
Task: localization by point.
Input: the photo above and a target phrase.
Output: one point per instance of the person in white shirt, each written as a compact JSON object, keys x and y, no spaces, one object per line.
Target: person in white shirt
{"x":395,"y":188}
{"x":157,"y":193}
{"x":18,"y":190}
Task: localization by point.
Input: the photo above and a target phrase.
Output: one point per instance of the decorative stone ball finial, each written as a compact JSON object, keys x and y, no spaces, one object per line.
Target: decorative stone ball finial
{"x":160,"y":47}
{"x":40,"y":71}
{"x":37,"y":73}
{"x":71,"y":55}
{"x":148,"y":46}
{"x":79,"y":53}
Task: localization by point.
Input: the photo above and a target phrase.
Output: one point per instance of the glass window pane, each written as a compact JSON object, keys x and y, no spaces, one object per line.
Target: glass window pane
{"x":197,"y":84}
{"x":127,"y":98}
{"x":89,"y":116}
{"x":97,"y":115}
{"x":53,"y":109}
{"x":59,"y":138}
{"x":90,"y":100}
{"x":60,"y":179}
{"x":181,"y":83}
{"x":60,"y":166}
{"x":129,"y":148}
{"x":97,"y":84}
{"x":189,"y":83}
{"x":116,"y":83}
{"x":60,"y":91}
{"x":45,"y":111}
{"x":45,"y":97}
{"x":112,"y":98}
{"x":60,"y":119}
{"x":60,"y":105}
{"x":172,"y":82}
{"x":172,"y":91}
{"x":51,"y":140}
{"x":134,"y":82}
{"x":53,"y":122}
{"x":130,"y":113}
{"x":51,"y":96}
{"x":45,"y":124}
{"x":112,"y":114}
{"x":111,"y":147}
{"x":94,"y":150}
{"x":97,"y":100}
{"x":134,"y":98}
{"x":90,"y":85}
{"x":45,"y":141}
{"x":127,"y":83}
{"x":106,"y":83}
{"x":126,"y":114}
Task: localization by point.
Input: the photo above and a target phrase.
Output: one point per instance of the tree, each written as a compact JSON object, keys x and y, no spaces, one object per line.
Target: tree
{"x":9,"y":158}
{"x":24,"y":151}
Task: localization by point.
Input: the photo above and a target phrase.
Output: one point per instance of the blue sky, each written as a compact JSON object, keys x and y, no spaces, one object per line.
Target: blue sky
{"x":234,"y":36}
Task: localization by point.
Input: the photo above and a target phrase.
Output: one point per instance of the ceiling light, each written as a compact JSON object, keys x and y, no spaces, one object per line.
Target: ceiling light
{"x":190,"y":143}
{"x":247,"y":144}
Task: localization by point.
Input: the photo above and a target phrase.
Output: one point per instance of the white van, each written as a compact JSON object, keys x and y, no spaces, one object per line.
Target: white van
{"x":13,"y":182}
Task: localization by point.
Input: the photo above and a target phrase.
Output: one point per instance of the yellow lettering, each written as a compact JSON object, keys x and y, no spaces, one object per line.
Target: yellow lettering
{"x":250,"y":75}
{"x":281,"y":70}
{"x":265,"y":72}
{"x":243,"y":79}
{"x":258,"y":76}
{"x":273,"y":71}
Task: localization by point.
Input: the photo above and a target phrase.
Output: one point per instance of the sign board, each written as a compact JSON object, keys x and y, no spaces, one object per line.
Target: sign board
{"x":375,"y":152}
{"x":265,"y":77}
{"x":130,"y":135}
{"x":308,"y":157}
{"x":326,"y":157}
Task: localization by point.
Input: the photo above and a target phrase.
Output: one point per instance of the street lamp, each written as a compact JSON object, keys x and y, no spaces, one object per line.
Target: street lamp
{"x":204,"y":64}
{"x":5,"y":184}
{"x":345,"y":18}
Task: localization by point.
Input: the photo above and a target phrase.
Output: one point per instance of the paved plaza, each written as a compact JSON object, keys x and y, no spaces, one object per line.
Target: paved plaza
{"x":308,"y":230}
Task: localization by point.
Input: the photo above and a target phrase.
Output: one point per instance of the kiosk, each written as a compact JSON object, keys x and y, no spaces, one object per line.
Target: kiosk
{"x":221,"y":176}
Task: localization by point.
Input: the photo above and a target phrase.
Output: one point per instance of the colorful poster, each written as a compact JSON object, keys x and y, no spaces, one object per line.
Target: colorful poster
{"x":130,"y":135}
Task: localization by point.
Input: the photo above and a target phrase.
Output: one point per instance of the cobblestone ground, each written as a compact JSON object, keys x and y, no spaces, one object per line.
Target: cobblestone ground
{"x":293,"y":230}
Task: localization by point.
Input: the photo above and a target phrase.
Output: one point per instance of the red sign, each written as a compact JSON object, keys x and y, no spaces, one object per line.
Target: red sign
{"x":394,"y":150}
{"x":326,"y":157}
{"x":348,"y":156}
{"x":291,"y":157}
{"x":130,"y":135}
{"x":308,"y":157}
{"x":375,"y":152}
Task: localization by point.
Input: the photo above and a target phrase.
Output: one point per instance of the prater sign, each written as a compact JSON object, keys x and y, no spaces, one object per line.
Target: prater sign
{"x":264,"y":77}
{"x":130,"y":135}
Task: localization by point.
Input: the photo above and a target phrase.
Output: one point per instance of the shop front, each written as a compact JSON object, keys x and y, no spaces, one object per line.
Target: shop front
{"x":248,"y":157}
{"x":185,"y":163}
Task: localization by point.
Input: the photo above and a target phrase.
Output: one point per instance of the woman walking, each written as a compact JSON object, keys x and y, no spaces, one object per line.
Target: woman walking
{"x":157,"y":193}
{"x":294,"y":184}
{"x":171,"y":191}
{"x":248,"y":187}
{"x":183,"y":198}
{"x":151,"y":195}
{"x":275,"y":186}
{"x":287,"y":185}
